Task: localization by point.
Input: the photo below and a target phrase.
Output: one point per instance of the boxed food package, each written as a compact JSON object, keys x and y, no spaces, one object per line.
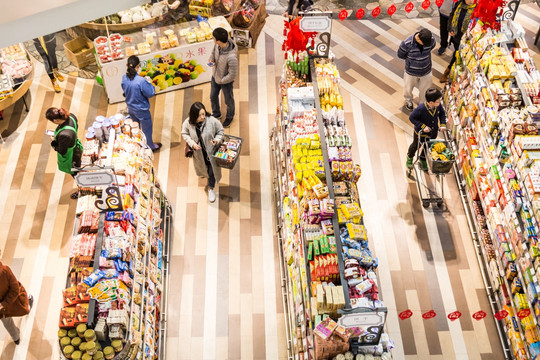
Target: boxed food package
{"x":80,"y":51}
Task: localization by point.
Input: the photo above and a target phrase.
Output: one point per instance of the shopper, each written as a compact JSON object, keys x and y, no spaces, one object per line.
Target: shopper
{"x":13,"y":301}
{"x":444,"y":14}
{"x":426,"y":118}
{"x":137,"y":91}
{"x":46,"y":47}
{"x":457,"y":26}
{"x":202,"y":132}
{"x":416,"y":51}
{"x":65,"y":142}
{"x":301,"y":5}
{"x":224,"y":59}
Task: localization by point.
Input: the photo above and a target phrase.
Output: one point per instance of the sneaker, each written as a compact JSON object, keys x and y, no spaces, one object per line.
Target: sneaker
{"x":227,"y":123}
{"x":423,"y":165}
{"x":30,"y":301}
{"x":17,"y":342}
{"x":441,"y":50}
{"x":409,"y":105}
{"x":211,"y":195}
{"x":56,"y":86}
{"x":75,"y":195}
{"x":58,"y":75}
{"x":409,"y":162}
{"x":158,"y":146}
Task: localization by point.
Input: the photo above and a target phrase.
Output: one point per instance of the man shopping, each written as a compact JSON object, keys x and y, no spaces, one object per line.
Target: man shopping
{"x":416,"y":51}
{"x":224,"y":60}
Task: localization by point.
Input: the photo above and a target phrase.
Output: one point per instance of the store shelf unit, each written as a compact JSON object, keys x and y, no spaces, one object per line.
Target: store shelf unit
{"x":299,"y":118}
{"x":133,"y":236}
{"x":499,"y":210}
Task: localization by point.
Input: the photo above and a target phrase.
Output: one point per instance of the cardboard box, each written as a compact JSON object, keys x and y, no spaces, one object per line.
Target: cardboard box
{"x":80,"y":51}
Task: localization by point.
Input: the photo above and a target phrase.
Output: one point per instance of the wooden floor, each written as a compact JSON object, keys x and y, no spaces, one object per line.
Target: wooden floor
{"x":225,"y":296}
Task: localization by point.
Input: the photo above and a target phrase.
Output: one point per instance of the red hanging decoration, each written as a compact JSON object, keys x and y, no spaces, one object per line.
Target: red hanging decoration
{"x":343,"y":14}
{"x":391,"y":10}
{"x":375,"y":12}
{"x":405,"y":314}
{"x":409,"y":7}
{"x":454,"y":315}
{"x":479,"y":315}
{"x":439,"y":2}
{"x":426,"y":4}
{"x":297,"y":40}
{"x":486,"y":11}
{"x":429,"y":315}
{"x":499,"y":315}
{"x":360,"y":14}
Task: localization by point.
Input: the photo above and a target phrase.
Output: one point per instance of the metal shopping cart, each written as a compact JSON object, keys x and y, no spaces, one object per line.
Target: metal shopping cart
{"x":437,"y":169}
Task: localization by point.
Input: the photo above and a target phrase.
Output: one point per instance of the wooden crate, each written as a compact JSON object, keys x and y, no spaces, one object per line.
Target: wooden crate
{"x":80,"y":51}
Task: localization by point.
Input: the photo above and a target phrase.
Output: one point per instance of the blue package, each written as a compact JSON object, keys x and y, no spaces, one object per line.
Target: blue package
{"x":94,"y":277}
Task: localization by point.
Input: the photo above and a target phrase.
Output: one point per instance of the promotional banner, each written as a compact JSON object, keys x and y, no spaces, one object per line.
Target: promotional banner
{"x":171,"y":69}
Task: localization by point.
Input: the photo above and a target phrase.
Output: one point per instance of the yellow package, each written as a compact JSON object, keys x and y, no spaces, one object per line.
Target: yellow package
{"x":356,"y":232}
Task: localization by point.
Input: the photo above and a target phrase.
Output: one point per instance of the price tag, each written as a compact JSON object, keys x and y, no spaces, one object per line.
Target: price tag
{"x":94,"y":178}
{"x":316,"y":23}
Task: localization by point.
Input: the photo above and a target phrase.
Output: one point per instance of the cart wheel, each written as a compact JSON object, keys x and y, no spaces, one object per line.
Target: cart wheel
{"x":440,"y":204}
{"x":425,"y":204}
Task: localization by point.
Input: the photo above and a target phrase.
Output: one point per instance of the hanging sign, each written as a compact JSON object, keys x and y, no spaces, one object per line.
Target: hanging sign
{"x":429,"y":315}
{"x":391,"y":10}
{"x":479,"y":315}
{"x":454,"y":315}
{"x":360,"y":14}
{"x":94,"y":178}
{"x":409,"y":7}
{"x":376,"y":12}
{"x":405,"y":314}
{"x":316,"y":23}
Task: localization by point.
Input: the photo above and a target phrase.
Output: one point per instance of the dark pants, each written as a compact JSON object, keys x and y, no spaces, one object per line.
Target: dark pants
{"x":144,"y":118}
{"x":413,"y":148}
{"x":455,"y":40}
{"x":209,"y":170}
{"x":49,"y":56}
{"x":229,"y":99}
{"x":443,"y":26}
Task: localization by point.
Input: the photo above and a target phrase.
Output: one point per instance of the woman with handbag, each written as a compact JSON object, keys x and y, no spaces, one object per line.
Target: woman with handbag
{"x":202,"y":132}
{"x":13,"y":301}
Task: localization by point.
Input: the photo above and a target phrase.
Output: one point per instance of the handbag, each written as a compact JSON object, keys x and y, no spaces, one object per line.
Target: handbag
{"x":188,"y":151}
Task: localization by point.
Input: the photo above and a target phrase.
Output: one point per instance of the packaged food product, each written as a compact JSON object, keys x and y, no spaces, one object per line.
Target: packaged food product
{"x":89,"y":335}
{"x":164,"y":43}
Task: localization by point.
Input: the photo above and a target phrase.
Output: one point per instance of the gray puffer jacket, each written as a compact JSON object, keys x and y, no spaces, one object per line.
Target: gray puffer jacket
{"x":212,"y":130}
{"x":225,"y":63}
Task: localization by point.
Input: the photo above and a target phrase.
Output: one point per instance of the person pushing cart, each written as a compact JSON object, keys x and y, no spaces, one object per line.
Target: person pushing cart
{"x":428,"y":118}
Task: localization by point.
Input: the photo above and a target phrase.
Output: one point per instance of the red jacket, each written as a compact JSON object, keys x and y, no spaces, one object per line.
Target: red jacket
{"x":13,"y":296}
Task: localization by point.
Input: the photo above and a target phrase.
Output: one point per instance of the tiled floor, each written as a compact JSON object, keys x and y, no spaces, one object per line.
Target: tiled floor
{"x":225,"y":295}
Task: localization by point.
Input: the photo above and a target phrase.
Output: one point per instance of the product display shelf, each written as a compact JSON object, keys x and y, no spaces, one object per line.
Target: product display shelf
{"x":487,"y":147}
{"x":159,"y":218}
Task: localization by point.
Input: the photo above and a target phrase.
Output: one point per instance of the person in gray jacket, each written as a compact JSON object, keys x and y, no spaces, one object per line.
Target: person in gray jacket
{"x":224,"y":59}
{"x":444,"y":14}
{"x":202,"y":132}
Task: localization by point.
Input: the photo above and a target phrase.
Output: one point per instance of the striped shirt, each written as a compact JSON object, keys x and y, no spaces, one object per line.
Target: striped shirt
{"x":417,"y":57}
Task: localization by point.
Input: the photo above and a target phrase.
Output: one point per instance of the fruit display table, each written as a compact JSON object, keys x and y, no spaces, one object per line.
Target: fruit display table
{"x":172,"y":68}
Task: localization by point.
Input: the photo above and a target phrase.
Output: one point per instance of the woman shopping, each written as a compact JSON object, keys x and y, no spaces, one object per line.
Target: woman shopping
{"x":458,"y":23}
{"x":137,"y":91}
{"x":201,"y":133}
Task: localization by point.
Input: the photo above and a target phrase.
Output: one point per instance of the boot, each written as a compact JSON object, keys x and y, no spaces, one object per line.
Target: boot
{"x":409,"y":162}
{"x":423,"y":165}
{"x":444,"y":77}
{"x":55,"y":85}
{"x":58,"y":75}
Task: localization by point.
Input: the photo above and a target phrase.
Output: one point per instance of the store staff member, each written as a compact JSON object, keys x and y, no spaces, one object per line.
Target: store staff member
{"x":426,"y":119}
{"x":65,"y":141}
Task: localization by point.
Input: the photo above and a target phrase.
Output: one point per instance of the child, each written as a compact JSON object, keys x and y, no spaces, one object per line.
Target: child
{"x":426,"y":119}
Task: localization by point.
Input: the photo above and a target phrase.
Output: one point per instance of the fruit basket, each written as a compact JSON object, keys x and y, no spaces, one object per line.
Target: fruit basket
{"x":228,"y":152}
{"x":439,"y":158}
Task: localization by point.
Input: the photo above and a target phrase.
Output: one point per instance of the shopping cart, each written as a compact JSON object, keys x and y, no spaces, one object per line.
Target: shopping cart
{"x":437,"y":169}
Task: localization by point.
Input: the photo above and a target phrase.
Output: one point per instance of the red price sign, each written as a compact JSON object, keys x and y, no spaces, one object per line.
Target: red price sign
{"x":426,"y":4}
{"x":429,"y":315}
{"x":479,"y":315}
{"x":343,"y":14}
{"x":391,"y":10}
{"x":409,"y":7}
{"x":499,"y":315}
{"x":376,"y":12}
{"x":405,"y":314}
{"x":523,"y":313}
{"x":439,"y":2}
{"x":454,"y":315}
{"x":360,"y":14}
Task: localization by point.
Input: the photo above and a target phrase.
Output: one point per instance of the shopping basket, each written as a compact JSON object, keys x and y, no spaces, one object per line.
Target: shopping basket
{"x":219,"y":155}
{"x":438,"y":166}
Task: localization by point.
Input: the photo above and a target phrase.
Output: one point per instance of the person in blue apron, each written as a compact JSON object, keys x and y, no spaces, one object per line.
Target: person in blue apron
{"x":137,"y":91}
{"x":65,"y":142}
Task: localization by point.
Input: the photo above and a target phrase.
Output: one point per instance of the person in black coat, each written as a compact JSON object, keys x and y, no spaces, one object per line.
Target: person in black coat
{"x":46,"y":47}
{"x":426,"y":118}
